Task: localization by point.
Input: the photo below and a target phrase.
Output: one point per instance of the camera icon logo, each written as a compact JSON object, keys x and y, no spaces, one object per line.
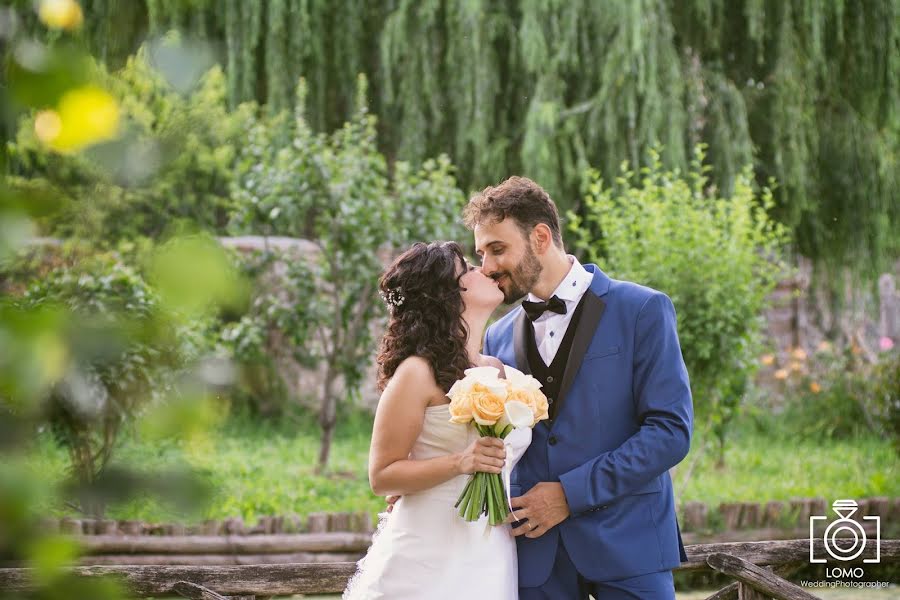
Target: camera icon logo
{"x":845,"y":509}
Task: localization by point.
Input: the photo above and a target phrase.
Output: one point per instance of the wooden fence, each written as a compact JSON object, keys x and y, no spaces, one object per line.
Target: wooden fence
{"x":344,"y":537}
{"x":744,"y":562}
{"x":695,"y":517}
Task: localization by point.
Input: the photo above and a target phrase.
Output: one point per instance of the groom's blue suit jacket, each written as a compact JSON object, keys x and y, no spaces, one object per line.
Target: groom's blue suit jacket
{"x":624,"y":418}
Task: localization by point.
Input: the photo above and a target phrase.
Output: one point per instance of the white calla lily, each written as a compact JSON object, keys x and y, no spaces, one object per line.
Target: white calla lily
{"x":498,"y":388}
{"x":457,"y":386}
{"x":483,"y":375}
{"x":518,"y":414}
{"x":520,"y":380}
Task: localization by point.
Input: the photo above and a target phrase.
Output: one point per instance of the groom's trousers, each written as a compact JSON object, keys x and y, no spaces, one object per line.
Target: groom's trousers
{"x":565,"y":583}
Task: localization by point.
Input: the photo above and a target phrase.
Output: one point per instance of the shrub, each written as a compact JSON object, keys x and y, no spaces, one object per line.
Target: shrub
{"x":174,"y":161}
{"x":837,"y":393}
{"x":336,"y":191}
{"x":884,"y":395}
{"x":717,"y":259}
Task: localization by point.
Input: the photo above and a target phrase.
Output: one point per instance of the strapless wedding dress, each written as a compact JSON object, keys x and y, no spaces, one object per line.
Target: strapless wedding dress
{"x":424,"y":549}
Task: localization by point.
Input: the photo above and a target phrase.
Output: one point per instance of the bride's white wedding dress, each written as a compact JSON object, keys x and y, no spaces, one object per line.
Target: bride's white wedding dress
{"x":423,"y":549}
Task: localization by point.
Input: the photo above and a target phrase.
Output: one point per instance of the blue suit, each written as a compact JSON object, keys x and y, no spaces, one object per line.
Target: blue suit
{"x":624,"y":419}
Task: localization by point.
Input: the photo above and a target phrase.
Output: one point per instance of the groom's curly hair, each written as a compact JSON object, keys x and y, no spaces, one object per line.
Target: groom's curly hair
{"x":428,"y":321}
{"x":520,"y":198}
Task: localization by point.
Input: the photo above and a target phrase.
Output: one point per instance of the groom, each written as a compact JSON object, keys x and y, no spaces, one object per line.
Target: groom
{"x":592,"y":494}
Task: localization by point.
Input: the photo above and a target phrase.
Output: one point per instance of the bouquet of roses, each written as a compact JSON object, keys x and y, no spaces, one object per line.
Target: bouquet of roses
{"x":503,"y":408}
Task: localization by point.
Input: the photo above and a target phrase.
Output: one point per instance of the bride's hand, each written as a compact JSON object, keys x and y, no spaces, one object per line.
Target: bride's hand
{"x":485,"y":455}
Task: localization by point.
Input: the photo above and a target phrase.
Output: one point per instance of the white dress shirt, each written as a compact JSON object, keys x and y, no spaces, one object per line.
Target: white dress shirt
{"x":550,"y":327}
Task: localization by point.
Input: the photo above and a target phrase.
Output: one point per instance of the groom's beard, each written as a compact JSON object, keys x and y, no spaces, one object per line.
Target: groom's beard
{"x":522,"y":279}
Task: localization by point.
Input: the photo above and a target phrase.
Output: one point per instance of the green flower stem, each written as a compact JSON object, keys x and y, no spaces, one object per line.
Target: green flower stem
{"x":484,"y":493}
{"x":491,"y":500}
{"x":470,"y":512}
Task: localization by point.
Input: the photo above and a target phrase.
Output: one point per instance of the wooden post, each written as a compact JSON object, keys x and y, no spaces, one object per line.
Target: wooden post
{"x":235,"y":526}
{"x":198,"y":592}
{"x":731,"y":514}
{"x":131,"y":527}
{"x":340,"y":522}
{"x":750,"y":516}
{"x":362,"y":523}
{"x":773,"y":514}
{"x":731,"y":591}
{"x":213,"y":527}
{"x":317,"y":523}
{"x":293,"y":523}
{"x":745,"y":592}
{"x":695,"y":516}
{"x":757,"y":578}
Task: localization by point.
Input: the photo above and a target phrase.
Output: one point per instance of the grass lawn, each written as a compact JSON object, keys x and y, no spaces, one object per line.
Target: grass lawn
{"x":765,"y":465}
{"x":268,"y":469}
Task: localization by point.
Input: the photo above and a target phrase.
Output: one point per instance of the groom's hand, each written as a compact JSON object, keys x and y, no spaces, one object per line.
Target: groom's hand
{"x":544,"y":506}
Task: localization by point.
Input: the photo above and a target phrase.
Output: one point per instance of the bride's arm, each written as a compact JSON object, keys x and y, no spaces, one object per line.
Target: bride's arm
{"x":398,"y":422}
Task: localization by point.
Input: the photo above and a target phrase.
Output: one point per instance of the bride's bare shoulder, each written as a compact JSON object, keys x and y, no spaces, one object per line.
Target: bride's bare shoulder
{"x":415,"y":370}
{"x":492,"y":361}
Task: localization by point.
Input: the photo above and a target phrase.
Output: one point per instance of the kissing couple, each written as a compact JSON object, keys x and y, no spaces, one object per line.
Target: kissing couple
{"x":592,"y":499}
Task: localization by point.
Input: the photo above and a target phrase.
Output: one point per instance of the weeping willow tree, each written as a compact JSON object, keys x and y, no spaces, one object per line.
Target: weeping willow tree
{"x":806,"y":91}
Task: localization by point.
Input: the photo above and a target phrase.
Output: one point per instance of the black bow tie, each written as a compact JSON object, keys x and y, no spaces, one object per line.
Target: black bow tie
{"x":535,"y":309}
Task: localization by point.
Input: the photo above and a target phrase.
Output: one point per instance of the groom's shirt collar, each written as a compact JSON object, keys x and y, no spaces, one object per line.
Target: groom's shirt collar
{"x":550,"y":327}
{"x":572,"y":287}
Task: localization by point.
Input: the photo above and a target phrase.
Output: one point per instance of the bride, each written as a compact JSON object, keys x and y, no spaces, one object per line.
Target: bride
{"x":439,"y":306}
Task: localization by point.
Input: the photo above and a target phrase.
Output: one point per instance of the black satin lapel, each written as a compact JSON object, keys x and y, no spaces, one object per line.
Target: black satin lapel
{"x":520,"y":337}
{"x":587,"y":326}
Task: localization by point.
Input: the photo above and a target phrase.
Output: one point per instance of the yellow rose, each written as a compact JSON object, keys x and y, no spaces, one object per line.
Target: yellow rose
{"x":487,"y":407}
{"x":542,"y":407}
{"x":526,"y":397}
{"x":461,"y":408}
{"x":533,"y":398}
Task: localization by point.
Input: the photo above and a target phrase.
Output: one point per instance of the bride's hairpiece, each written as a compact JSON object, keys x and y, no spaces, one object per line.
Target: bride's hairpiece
{"x":394,"y":298}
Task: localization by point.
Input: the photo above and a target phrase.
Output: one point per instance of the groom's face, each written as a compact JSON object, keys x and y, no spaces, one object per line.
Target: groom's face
{"x":507,"y":257}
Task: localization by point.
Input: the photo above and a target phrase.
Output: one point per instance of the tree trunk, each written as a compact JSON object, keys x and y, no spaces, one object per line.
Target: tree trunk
{"x":327,"y":416}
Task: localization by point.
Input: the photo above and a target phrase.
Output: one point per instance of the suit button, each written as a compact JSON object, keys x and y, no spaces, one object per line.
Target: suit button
{"x":549,"y":378}
{"x":549,"y":400}
{"x":552,"y":440}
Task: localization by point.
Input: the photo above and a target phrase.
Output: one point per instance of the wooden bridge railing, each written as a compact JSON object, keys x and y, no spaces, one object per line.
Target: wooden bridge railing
{"x":741,"y":560}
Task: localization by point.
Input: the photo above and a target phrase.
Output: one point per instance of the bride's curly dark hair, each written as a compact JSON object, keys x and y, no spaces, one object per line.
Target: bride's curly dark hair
{"x":423,"y":293}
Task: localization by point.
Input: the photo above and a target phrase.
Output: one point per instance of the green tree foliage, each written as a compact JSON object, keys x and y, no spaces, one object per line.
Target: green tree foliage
{"x":718,"y":259}
{"x":111,"y":377}
{"x":336,"y":191}
{"x":805,"y":91}
{"x":82,"y":343}
{"x":185,"y":157}
{"x":173,"y":164}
